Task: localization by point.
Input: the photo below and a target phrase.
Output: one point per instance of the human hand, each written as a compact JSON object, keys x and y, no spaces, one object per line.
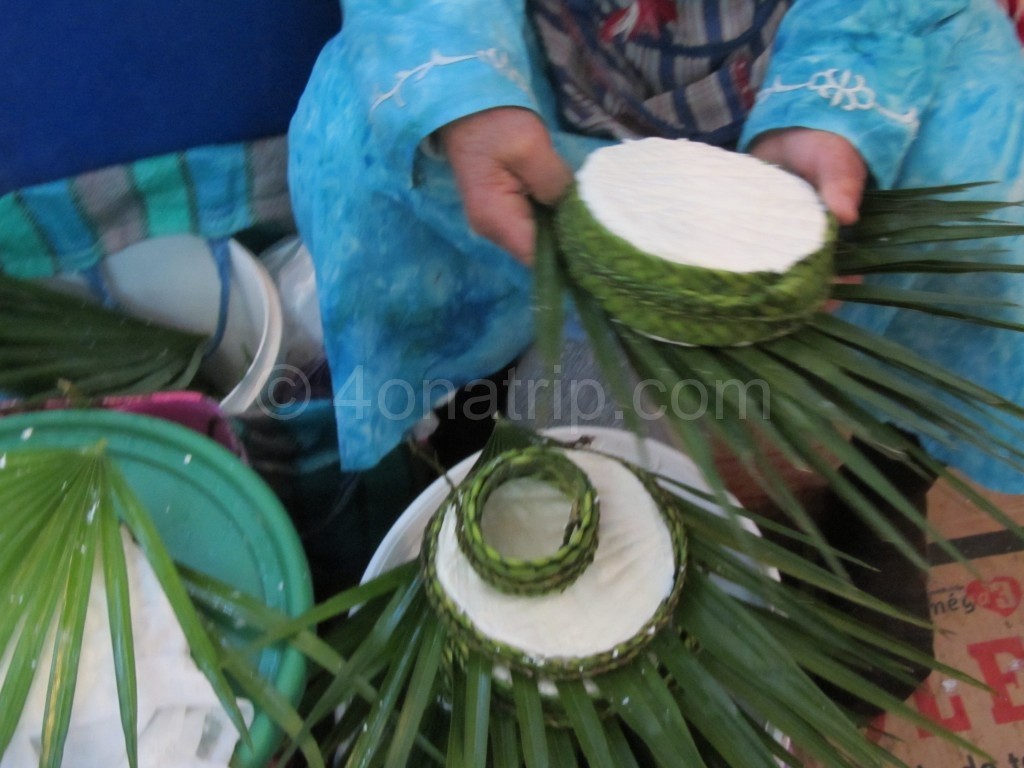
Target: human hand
{"x":502,"y":159}
{"x":826,"y":160}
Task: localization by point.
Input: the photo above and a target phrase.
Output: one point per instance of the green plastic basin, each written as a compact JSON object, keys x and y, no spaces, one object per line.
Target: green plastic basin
{"x":214,"y":513}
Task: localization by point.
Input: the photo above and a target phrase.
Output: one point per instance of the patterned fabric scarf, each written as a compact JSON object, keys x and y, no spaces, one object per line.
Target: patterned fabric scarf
{"x":673,"y":68}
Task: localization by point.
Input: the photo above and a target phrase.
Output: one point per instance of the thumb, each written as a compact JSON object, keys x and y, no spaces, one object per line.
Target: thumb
{"x":842,"y":195}
{"x":498,"y":210}
{"x":544,"y":175}
{"x":840,"y":178}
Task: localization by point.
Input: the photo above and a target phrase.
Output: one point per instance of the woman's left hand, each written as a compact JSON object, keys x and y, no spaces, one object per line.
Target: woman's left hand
{"x":826,"y":160}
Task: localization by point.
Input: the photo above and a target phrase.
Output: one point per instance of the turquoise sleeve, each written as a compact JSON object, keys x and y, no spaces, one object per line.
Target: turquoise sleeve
{"x":422,"y":63}
{"x":865,"y":70}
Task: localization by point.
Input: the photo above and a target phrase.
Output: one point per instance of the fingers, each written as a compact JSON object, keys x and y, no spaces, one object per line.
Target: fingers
{"x":498,"y":198}
{"x":498,"y":208}
{"x":544,"y":174}
{"x":839,"y":179}
{"x":826,"y":160}
{"x":503,"y":160}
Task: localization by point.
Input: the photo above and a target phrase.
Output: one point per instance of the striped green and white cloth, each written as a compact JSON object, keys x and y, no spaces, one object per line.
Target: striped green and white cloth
{"x":69,"y":225}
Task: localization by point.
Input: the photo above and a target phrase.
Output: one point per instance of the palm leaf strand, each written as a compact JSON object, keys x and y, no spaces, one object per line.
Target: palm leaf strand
{"x":115,"y":579}
{"x":703,"y":711}
{"x":65,"y":514}
{"x":52,"y":344}
{"x":831,"y":379}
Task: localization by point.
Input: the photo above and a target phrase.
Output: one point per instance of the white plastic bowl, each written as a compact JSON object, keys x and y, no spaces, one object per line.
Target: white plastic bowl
{"x":173,"y":281}
{"x":402,"y":542}
{"x":290,"y":265}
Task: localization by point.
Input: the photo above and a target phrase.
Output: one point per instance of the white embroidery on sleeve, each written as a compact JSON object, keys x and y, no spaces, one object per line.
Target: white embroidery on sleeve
{"x":497,"y":59}
{"x":844,"y":90}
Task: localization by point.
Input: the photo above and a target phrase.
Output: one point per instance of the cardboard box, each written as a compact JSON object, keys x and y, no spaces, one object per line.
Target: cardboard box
{"x":981,"y":631}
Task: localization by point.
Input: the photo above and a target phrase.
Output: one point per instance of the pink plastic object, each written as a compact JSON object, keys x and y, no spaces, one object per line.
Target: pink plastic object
{"x":190,"y":409}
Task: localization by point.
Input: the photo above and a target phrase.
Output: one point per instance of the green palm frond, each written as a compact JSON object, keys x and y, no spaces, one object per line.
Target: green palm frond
{"x":741,"y":664}
{"x":53,"y":344}
{"x":735,"y":669}
{"x":62,"y":516}
{"x":829,"y":379}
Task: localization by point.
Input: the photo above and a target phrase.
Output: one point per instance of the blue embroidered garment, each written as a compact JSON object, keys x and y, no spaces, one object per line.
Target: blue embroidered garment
{"x":413,"y":303}
{"x":939,"y":100}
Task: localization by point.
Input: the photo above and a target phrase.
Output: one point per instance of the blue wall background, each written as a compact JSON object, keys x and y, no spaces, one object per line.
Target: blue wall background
{"x":89,"y":84}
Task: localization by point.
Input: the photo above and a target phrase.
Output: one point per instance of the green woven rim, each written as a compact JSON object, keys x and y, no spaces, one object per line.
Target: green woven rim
{"x":679,"y":328}
{"x":685,"y":303}
{"x":816,"y":280}
{"x":539,"y":575}
{"x":465,"y":633}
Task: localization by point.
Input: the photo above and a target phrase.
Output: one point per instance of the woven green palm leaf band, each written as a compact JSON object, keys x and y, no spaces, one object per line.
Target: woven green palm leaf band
{"x":686,"y":303}
{"x":529,"y":576}
{"x":467,"y":636}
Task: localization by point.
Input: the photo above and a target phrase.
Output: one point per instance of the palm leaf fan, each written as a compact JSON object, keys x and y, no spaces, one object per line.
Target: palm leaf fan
{"x":706,"y":271}
{"x":54,"y":344}
{"x":84,"y":571}
{"x":571,"y":608}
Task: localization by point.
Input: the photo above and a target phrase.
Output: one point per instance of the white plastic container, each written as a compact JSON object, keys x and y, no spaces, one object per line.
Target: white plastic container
{"x":173,"y":281}
{"x":290,"y":265}
{"x":402,"y":542}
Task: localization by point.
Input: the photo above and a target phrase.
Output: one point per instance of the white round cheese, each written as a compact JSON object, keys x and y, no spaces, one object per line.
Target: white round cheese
{"x":703,"y":206}
{"x":632,"y":573}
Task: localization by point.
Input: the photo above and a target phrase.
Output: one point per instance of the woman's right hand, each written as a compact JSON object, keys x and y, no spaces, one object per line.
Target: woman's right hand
{"x":503,"y":160}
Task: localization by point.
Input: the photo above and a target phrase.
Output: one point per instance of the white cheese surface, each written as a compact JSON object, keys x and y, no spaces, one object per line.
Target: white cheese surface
{"x":699,"y":205}
{"x":632,"y":572}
